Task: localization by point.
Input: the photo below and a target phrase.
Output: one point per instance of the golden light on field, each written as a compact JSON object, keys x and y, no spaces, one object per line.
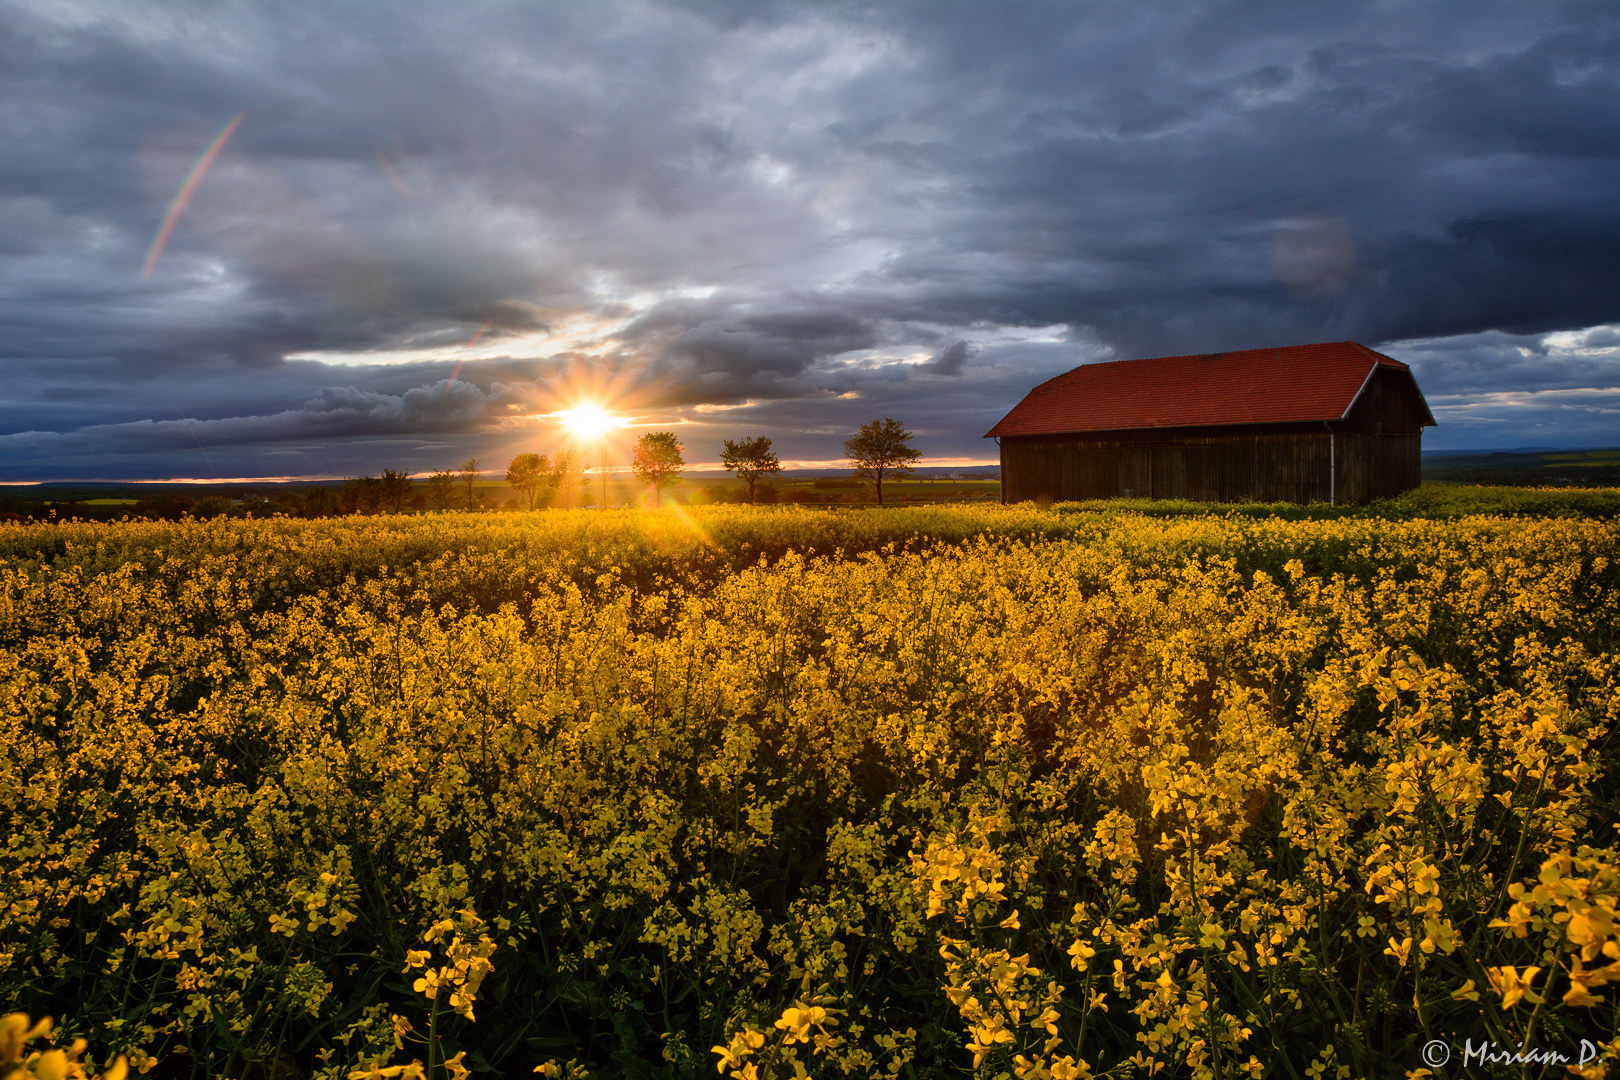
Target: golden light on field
{"x":646,"y":626}
{"x":589,"y":421}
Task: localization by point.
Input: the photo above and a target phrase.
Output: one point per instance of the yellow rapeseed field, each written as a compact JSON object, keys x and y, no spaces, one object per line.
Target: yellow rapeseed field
{"x":902,"y":793}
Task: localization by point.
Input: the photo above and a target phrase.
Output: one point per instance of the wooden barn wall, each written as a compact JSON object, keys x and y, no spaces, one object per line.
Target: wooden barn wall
{"x":1389,"y":405}
{"x":1281,"y":467}
{"x":1377,"y":466}
{"x":1263,"y":468}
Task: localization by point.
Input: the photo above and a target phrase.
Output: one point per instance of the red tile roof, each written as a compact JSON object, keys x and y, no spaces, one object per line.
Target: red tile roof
{"x":1293,"y":384}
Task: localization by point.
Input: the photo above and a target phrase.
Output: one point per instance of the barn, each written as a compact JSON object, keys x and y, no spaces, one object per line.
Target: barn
{"x":1334,"y":422}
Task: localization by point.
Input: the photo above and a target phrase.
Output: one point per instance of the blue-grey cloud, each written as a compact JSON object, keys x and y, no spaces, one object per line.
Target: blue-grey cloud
{"x":951,"y":360}
{"x":790,"y":213}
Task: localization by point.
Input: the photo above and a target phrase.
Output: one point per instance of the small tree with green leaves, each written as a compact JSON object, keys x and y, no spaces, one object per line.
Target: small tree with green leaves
{"x":359,"y":495}
{"x":750,"y":459}
{"x":393,"y":489}
{"x":528,"y":475}
{"x":881,"y":448}
{"x":441,"y":490}
{"x":656,"y":461}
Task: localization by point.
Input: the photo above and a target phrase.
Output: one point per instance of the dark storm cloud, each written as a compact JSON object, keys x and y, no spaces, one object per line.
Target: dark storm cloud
{"x":753,"y":355}
{"x":796,"y":213}
{"x":337,"y":413}
{"x":951,"y":360}
{"x":505,"y":316}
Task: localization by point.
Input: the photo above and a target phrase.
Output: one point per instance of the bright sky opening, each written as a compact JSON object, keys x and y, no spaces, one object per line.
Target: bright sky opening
{"x":589,"y":421}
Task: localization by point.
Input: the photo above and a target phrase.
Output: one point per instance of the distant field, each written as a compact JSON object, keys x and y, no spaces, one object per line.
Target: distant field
{"x":1570,"y":468}
{"x":1563,"y":468}
{"x":1559,"y":472}
{"x":701,"y":488}
{"x":694,"y":489}
{"x":1583,"y":457}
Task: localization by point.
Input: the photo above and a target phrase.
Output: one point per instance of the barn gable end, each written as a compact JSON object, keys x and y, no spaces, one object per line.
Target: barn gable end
{"x":1334,"y":422}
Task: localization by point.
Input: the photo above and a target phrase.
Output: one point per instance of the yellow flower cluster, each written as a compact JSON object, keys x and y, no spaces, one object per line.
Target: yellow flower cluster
{"x":1032,"y":794}
{"x":17,"y":1063}
{"x":808,"y":1023}
{"x":1576,"y":918}
{"x":466,"y":962}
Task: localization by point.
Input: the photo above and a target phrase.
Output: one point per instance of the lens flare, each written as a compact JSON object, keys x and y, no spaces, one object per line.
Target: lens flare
{"x":683,"y":517}
{"x":457,"y":369}
{"x":187,"y":190}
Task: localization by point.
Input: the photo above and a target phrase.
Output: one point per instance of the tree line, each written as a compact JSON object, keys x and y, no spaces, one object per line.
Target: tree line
{"x":880,"y":452}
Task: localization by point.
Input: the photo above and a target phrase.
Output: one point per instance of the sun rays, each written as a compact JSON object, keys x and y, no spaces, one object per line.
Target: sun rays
{"x":589,"y":421}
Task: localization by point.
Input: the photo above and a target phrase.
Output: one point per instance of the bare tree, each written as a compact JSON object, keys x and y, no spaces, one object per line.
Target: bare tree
{"x":567,"y":474}
{"x":605,"y":463}
{"x":469,"y":477}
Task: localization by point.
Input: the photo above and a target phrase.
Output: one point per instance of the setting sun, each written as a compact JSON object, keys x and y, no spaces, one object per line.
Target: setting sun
{"x":589,"y":421}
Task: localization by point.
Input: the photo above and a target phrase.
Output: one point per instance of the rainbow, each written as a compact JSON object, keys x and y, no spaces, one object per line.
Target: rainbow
{"x":187,"y":190}
{"x":463,"y":360}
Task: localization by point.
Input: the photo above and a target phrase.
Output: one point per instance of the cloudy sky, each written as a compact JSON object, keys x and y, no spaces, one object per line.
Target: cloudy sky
{"x":433,"y":224}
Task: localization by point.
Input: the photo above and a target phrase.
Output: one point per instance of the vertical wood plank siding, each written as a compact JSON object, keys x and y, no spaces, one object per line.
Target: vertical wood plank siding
{"x":1287,"y":467}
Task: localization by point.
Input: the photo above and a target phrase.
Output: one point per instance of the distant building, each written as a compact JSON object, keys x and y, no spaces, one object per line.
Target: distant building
{"x":1335,"y":422}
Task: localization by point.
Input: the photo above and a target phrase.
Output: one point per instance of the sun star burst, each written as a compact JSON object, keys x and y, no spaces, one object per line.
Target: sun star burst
{"x":589,"y":421}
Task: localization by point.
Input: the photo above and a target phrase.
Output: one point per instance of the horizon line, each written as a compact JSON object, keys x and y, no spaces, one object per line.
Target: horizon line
{"x":696,"y":467}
